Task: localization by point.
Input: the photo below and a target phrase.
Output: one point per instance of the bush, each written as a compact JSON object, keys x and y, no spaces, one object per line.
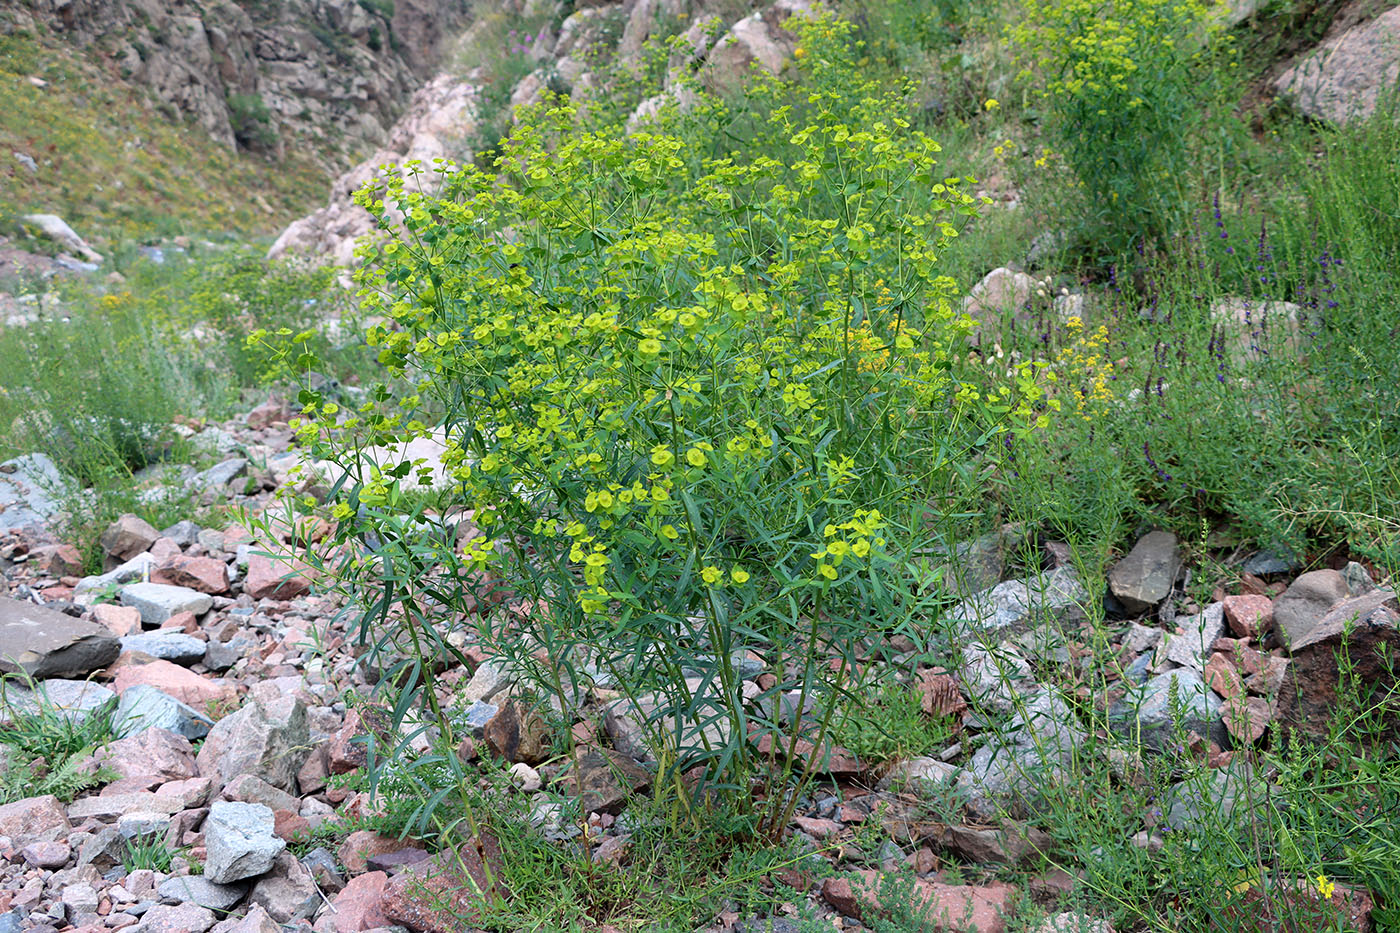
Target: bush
{"x":1129,"y":88}
{"x":698,"y":410}
{"x":252,"y":122}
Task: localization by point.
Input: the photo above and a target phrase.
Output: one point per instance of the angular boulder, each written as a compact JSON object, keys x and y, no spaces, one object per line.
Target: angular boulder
{"x":266,"y":738}
{"x":1146,"y":575}
{"x":1367,"y":628}
{"x":240,"y":841}
{"x":42,"y":643}
{"x":1345,"y":77}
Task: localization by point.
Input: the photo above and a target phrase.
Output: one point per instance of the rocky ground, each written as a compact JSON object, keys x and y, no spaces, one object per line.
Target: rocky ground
{"x":230,"y":679}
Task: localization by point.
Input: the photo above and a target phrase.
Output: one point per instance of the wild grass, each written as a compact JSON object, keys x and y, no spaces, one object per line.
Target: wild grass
{"x":47,"y":751}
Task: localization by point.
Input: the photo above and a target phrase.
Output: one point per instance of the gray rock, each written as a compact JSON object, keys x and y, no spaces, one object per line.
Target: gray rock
{"x":1306,"y":601}
{"x":197,"y":889}
{"x":1146,"y":575}
{"x":138,"y":568}
{"x":1271,"y":562}
{"x":1033,"y":750}
{"x":979,"y":565}
{"x":54,"y":227}
{"x":43,"y":643}
{"x":1214,"y":799}
{"x":1012,"y":604}
{"x":240,"y":841}
{"x":919,"y":775}
{"x":175,"y":647}
{"x":142,"y":824}
{"x":221,"y":655}
{"x":1345,"y":77}
{"x":74,"y":700}
{"x":1147,"y":711}
{"x":159,"y":601}
{"x":142,"y":707}
{"x":169,"y":918}
{"x":104,"y":849}
{"x":488,"y":680}
{"x":269,"y":739}
{"x":1192,"y":645}
{"x":212,"y":540}
{"x":219,"y":475}
{"x":475,"y":717}
{"x":32,"y":490}
{"x":1358,"y":579}
{"x":1140,"y":638}
{"x":184,"y":533}
{"x":996,"y":678}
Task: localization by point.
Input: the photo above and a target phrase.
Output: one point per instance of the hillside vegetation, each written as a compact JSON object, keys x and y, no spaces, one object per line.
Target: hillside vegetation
{"x":862,"y":465}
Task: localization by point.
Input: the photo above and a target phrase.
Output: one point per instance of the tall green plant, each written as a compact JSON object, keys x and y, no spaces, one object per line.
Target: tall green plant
{"x":694,"y":416}
{"x":1129,"y":86}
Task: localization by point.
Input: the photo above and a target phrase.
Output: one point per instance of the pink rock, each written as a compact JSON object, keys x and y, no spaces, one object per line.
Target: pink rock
{"x":154,"y":752}
{"x":943,"y":907}
{"x":357,"y":907}
{"x":256,"y":920}
{"x":34,"y":819}
{"x":1249,"y":616}
{"x":817,"y":828}
{"x":269,"y":579}
{"x":163,"y":549}
{"x":1223,"y":677}
{"x":355,"y":851}
{"x":119,"y":620}
{"x":181,"y":683}
{"x":1246,"y":718}
{"x":53,"y":854}
{"x":191,"y":792}
{"x":186,"y":622}
{"x":128,"y":536}
{"x":205,"y":574}
{"x":268,"y":412}
{"x":288,"y":825}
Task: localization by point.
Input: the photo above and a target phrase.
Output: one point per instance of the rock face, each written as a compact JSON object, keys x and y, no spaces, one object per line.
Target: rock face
{"x":1343,"y":79}
{"x":250,"y":72}
{"x":269,"y":739}
{"x":444,"y":108}
{"x":44,"y":643}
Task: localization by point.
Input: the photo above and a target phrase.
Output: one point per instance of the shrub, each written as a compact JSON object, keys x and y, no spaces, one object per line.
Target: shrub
{"x":1128,"y":86}
{"x":252,"y":122}
{"x":696,"y":417}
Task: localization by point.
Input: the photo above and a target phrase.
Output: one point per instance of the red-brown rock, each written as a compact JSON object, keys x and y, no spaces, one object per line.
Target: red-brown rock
{"x":128,"y":536}
{"x":435,"y":896}
{"x":359,"y":905}
{"x":1249,"y":616}
{"x":941,"y":907}
{"x":355,"y":851}
{"x":270,"y":579}
{"x":204,"y":574}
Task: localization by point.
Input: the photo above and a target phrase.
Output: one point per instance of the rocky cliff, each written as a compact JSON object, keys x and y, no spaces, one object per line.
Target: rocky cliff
{"x":326,"y":75}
